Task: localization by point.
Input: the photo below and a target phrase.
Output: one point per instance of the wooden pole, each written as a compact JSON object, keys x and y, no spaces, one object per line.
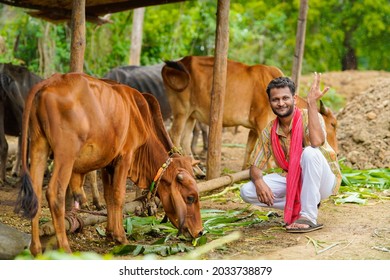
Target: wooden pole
{"x":222,"y":181}
{"x":136,"y":36}
{"x":77,"y":48}
{"x":300,"y":43}
{"x":218,"y":90}
{"x":88,"y":219}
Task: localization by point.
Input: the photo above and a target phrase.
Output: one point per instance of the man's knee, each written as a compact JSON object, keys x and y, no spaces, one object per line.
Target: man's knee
{"x":310,"y":154}
{"x":245,"y":191}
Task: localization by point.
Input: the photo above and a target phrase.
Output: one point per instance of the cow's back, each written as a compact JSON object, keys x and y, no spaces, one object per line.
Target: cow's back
{"x":15,"y":83}
{"x":146,"y":79}
{"x":245,"y":95}
{"x":94,"y":114}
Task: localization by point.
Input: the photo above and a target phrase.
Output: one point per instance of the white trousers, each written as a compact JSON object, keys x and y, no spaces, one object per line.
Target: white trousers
{"x":317,"y":184}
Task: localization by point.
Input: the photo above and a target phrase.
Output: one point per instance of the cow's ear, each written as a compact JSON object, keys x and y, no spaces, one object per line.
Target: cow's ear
{"x":175,"y":78}
{"x":194,"y":161}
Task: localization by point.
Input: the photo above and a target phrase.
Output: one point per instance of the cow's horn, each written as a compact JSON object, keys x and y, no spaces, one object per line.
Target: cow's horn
{"x":180,"y":177}
{"x":322,"y":108}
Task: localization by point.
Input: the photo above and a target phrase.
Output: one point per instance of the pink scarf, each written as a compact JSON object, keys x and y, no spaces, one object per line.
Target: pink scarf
{"x":293,"y":167}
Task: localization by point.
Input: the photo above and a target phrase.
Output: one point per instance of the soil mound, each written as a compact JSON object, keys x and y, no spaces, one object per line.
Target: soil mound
{"x":364,"y":128}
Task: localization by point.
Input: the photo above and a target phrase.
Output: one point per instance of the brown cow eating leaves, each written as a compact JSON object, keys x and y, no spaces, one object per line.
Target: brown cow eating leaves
{"x":91,"y":124}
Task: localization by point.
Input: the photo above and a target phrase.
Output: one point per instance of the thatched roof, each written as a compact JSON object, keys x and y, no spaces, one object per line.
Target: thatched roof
{"x":61,"y":10}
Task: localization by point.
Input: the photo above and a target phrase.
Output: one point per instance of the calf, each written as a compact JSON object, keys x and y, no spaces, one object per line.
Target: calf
{"x":90,"y":124}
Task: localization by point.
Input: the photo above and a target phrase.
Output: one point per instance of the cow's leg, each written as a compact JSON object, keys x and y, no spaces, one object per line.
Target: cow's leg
{"x":38,"y":161}
{"x":91,"y":177}
{"x":200,"y":128}
{"x":3,"y":157}
{"x":16,"y":167}
{"x":114,"y":183}
{"x":252,"y":138}
{"x":187,"y":136}
{"x":77,"y":190}
{"x":3,"y":146}
{"x":186,"y":144}
{"x":205,"y":136}
{"x":177,"y":129}
{"x":55,"y":196}
{"x":195,"y":137}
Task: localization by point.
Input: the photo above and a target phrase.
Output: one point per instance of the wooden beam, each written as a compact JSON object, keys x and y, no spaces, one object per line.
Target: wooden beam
{"x":218,"y":90}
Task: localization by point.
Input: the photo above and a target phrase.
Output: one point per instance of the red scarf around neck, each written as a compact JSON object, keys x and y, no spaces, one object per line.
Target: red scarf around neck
{"x":293,"y":166}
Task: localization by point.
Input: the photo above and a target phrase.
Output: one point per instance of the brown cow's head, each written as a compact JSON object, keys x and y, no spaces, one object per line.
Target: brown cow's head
{"x":331,"y":126}
{"x":179,"y":195}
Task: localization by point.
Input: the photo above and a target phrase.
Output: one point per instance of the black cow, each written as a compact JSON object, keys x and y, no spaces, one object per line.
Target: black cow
{"x":15,"y":83}
{"x":146,"y":79}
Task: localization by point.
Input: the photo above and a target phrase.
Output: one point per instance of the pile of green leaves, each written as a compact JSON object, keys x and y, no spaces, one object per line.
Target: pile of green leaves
{"x":216,"y":223}
{"x":360,"y":185}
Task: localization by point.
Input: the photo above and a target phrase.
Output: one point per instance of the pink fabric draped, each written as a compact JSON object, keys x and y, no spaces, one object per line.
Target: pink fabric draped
{"x":293,"y":166}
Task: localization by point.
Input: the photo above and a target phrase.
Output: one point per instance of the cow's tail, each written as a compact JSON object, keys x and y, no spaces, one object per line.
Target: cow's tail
{"x":27,"y":200}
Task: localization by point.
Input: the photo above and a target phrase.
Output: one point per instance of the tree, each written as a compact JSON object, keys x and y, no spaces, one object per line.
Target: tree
{"x":341,"y":34}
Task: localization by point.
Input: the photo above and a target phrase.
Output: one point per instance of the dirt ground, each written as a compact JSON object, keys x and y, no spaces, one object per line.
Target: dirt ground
{"x":351,"y":231}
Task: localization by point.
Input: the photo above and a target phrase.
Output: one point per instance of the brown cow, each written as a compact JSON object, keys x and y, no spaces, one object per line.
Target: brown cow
{"x":188,"y":84}
{"x":91,"y":124}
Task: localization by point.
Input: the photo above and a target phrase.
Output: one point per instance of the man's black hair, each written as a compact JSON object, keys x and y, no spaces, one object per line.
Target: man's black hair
{"x":281,"y":82}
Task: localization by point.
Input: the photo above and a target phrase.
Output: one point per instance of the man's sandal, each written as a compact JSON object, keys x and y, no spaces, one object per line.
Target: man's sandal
{"x":312,"y":226}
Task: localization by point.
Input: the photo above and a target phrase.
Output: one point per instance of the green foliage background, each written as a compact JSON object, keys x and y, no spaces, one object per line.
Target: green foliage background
{"x":260,"y":32}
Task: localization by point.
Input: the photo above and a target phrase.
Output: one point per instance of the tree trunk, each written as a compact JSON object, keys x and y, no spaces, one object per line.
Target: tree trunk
{"x":77,"y":48}
{"x":300,"y":43}
{"x":46,"y":52}
{"x":136,"y":36}
{"x":218,"y":91}
{"x":349,"y":60}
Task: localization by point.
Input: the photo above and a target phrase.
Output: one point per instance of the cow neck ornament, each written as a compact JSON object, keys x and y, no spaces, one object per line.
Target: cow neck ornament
{"x":151,"y":205}
{"x":157,"y":178}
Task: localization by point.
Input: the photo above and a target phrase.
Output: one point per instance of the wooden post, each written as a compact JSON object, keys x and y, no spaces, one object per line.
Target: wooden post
{"x":218,"y":90}
{"x":77,"y":48}
{"x":300,"y":43}
{"x":136,"y":36}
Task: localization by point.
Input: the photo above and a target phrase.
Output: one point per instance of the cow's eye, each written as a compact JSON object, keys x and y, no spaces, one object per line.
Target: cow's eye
{"x":190,"y":199}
